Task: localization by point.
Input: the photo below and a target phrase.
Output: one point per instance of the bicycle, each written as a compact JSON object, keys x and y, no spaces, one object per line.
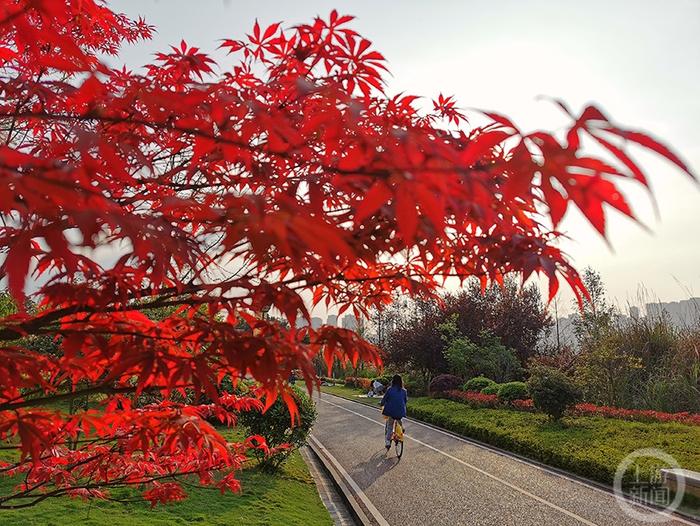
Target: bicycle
{"x":397,"y":437}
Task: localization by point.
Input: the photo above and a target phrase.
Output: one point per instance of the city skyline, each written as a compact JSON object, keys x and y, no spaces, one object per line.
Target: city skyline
{"x":680,"y":313}
{"x":348,"y":321}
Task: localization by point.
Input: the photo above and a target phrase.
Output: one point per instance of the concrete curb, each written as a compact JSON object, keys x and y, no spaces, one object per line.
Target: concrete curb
{"x":535,"y":463}
{"x":363,"y":511}
{"x":331,"y":497}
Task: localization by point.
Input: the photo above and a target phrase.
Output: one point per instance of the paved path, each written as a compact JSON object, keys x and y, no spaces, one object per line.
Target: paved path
{"x":442,"y":479}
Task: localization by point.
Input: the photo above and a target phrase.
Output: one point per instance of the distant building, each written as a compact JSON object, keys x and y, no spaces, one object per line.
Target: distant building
{"x":316,"y":322}
{"x":634,"y":312}
{"x":301,"y":322}
{"x":563,"y":333}
{"x":349,"y":322}
{"x":684,"y":312}
{"x":679,"y":313}
{"x":332,"y":320}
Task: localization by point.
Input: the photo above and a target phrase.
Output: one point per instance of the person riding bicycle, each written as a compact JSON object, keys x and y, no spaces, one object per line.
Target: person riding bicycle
{"x":394,"y":404}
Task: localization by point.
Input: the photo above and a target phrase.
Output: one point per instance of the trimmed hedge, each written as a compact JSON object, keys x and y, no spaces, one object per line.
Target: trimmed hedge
{"x":482,"y":399}
{"x":478,"y":383}
{"x":523,"y":405}
{"x":636,"y":415}
{"x":512,"y":391}
{"x":472,"y":399}
{"x":589,"y":446}
{"x":491,"y":389}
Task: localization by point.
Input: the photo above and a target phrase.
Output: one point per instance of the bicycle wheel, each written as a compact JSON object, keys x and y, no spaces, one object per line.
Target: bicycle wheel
{"x":398,"y":445}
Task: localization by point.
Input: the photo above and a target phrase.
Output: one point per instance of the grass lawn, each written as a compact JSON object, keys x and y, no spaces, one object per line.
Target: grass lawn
{"x":288,"y":497}
{"x":352,"y":393}
{"x":588,"y":446}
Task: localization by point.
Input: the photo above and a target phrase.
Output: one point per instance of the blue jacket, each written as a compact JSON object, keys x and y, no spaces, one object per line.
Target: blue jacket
{"x":394,"y":402}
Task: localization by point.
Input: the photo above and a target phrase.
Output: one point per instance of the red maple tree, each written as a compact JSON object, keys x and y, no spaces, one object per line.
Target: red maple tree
{"x":291,"y":175}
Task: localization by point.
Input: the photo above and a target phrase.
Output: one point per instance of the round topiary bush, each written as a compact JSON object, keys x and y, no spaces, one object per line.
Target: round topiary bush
{"x":478,"y":383}
{"x":491,"y":389}
{"x":275,"y":425}
{"x":513,"y":391}
{"x":552,"y":391}
{"x":444,"y":382}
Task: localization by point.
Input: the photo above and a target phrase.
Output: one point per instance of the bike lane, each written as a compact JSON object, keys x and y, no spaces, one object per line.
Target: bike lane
{"x":443,"y":479}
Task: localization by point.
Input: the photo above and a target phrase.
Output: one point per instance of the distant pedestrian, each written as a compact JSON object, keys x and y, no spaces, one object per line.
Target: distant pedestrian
{"x":377,"y":387}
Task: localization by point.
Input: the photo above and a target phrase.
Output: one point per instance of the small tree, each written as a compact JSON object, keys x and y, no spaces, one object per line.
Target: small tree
{"x":414,"y":343}
{"x":605,"y":372}
{"x":552,"y":391}
{"x":596,"y":315}
{"x":605,"y":364}
{"x":516,"y":314}
{"x":444,"y":382}
{"x":489,"y":357}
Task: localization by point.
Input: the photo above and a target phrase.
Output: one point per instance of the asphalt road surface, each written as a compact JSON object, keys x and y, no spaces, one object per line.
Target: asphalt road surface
{"x":442,"y":479}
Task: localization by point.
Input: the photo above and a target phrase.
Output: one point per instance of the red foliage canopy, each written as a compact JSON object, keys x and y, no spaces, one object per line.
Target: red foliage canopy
{"x":290,"y":175}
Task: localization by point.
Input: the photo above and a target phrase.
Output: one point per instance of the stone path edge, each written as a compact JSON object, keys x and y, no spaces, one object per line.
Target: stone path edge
{"x":332,"y":498}
{"x":363,"y":511}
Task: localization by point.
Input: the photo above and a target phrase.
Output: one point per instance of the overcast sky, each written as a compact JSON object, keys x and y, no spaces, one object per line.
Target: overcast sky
{"x":639,"y":60}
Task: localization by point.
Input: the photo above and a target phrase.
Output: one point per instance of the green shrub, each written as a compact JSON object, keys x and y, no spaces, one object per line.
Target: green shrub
{"x":368,"y":372}
{"x":226,"y":385}
{"x":478,"y":383}
{"x":485,"y":357}
{"x":385,"y":379}
{"x":643,"y":363}
{"x":552,"y":391}
{"x":489,"y":358}
{"x":416,"y":385}
{"x":491,"y":389}
{"x":190,"y":397}
{"x":672,"y":395}
{"x":513,"y":391}
{"x":444,"y":382}
{"x":275,"y":426}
